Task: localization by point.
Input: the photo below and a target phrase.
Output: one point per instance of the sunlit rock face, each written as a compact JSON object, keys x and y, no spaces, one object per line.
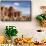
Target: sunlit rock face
{"x":2,"y":38}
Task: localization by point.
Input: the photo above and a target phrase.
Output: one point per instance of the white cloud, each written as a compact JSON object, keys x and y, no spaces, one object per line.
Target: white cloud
{"x":17,"y":4}
{"x":6,"y":5}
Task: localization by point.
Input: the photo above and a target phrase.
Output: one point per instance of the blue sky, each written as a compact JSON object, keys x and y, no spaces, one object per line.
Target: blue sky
{"x":23,"y":6}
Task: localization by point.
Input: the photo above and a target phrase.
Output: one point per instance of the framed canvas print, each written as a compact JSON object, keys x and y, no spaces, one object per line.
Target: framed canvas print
{"x":15,"y":11}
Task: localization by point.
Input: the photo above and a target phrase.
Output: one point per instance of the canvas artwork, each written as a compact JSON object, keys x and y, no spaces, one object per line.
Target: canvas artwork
{"x":15,"y":11}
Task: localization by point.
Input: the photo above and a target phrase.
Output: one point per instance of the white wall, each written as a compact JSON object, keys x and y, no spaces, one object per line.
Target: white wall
{"x":27,"y":28}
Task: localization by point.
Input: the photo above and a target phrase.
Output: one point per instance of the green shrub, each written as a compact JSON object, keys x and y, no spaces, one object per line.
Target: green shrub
{"x":11,"y":31}
{"x":41,"y":17}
